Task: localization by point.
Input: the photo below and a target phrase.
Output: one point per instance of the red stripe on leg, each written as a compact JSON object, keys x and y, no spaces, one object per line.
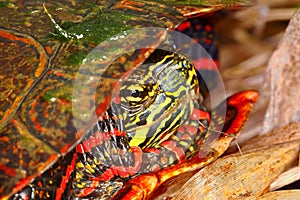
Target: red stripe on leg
{"x":171,"y":145}
{"x":66,"y":178}
{"x":198,"y":114}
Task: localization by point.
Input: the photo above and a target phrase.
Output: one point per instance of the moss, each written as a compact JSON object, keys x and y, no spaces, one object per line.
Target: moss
{"x":100,"y":27}
{"x":76,"y":58}
{"x":203,"y":2}
{"x":4,"y":4}
{"x":55,"y":94}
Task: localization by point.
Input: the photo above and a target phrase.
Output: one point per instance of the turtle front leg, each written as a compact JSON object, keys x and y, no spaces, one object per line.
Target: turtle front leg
{"x":139,"y":187}
{"x":143,"y":186}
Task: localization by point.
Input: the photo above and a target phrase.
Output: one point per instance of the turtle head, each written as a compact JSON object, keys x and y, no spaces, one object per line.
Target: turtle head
{"x":157,"y":98}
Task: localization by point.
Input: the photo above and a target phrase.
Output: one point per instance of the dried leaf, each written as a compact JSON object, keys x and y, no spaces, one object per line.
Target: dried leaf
{"x":286,"y":178}
{"x":284,"y":194}
{"x":284,"y":134}
{"x":240,"y":176}
{"x":287,"y":133}
{"x":283,"y":79}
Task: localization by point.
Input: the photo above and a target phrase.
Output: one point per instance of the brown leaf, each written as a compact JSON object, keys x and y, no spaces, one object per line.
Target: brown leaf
{"x":287,"y":133}
{"x":286,"y":178}
{"x":284,"y":194}
{"x":283,"y":79}
{"x":240,"y":176}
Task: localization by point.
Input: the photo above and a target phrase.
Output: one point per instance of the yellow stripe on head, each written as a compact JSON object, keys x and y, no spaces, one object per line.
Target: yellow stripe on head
{"x":157,"y":98}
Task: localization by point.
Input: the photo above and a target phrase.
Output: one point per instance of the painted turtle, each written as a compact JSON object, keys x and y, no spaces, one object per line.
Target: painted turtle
{"x":37,"y":127}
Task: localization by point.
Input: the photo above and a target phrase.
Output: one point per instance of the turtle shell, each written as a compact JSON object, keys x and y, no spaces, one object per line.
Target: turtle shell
{"x":39,"y":67}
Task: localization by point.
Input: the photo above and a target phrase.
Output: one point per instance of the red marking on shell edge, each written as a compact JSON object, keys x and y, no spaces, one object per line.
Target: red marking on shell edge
{"x":65,"y":148}
{"x":101,"y":108}
{"x":183,"y":26}
{"x":7,"y":170}
{"x":33,"y":105}
{"x":22,"y":183}
{"x":58,"y":73}
{"x":206,"y":64}
{"x":142,"y":56}
{"x":48,"y":50}
{"x":79,"y":134}
{"x":62,"y":102}
{"x":38,"y":126}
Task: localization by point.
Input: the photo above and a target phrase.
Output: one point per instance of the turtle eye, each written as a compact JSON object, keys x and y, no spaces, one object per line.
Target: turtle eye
{"x":135,"y":93}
